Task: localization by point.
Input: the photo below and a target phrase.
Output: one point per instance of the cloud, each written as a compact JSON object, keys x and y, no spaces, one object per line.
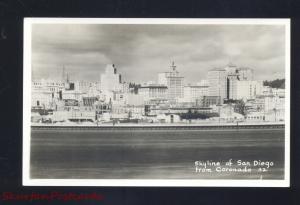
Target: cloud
{"x":141,"y":51}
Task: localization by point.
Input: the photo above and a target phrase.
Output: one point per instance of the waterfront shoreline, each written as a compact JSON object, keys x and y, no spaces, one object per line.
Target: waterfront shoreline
{"x":271,"y":125}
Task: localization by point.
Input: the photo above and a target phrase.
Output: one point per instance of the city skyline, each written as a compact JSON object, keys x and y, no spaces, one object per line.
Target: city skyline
{"x":141,"y":51}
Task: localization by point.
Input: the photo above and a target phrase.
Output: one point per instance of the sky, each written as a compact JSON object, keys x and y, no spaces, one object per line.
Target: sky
{"x":140,"y":52}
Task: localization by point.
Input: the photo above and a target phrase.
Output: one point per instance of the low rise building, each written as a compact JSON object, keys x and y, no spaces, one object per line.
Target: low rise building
{"x":153,"y":91}
{"x":208,"y":101}
{"x":256,"y":117}
{"x":72,"y":95}
{"x":46,"y":93}
{"x":168,"y":118}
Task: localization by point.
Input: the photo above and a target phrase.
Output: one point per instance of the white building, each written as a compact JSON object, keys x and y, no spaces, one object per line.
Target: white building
{"x":231,"y":69}
{"x":246,"y":89}
{"x":274,"y":103}
{"x":173,"y":81}
{"x":266,"y":90}
{"x":45,"y":93}
{"x":168,"y":118}
{"x":245,"y":73}
{"x":135,"y":112}
{"x":72,"y":95}
{"x":47,"y":85}
{"x":278,"y":92}
{"x":118,"y":98}
{"x":125,"y":87}
{"x":270,"y":116}
{"x":192,"y":93}
{"x":82,"y":86}
{"x":153,"y":91}
{"x":73,"y":115}
{"x":110,"y":80}
{"x":42,"y":98}
{"x":135,"y":99}
{"x":234,"y":75}
{"x":217,"y":80}
{"x":256,"y":117}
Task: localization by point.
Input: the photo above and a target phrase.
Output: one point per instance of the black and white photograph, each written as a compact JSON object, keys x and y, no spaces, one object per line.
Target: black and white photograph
{"x":156,"y":102}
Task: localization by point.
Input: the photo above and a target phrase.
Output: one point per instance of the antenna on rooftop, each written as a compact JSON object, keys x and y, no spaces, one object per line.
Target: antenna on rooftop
{"x":173,"y":66}
{"x":67,"y":77}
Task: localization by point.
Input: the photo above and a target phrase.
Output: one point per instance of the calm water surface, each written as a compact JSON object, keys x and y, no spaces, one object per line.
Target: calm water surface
{"x":152,"y":154}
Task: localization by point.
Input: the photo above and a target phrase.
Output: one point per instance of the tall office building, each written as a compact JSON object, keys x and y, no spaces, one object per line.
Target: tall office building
{"x":232,"y":80}
{"x":248,"y":89}
{"x":217,"y":81}
{"x":110,"y":80}
{"x":231,"y":69}
{"x":245,"y":73}
{"x":173,"y":81}
{"x":234,"y":76}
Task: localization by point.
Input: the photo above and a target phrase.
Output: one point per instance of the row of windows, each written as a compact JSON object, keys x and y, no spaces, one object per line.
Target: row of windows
{"x":47,"y":84}
{"x":103,"y":107}
{"x":255,"y":117}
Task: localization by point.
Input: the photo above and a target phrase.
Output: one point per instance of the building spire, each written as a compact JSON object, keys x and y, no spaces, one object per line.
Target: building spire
{"x":173,"y":66}
{"x":68,"y":78}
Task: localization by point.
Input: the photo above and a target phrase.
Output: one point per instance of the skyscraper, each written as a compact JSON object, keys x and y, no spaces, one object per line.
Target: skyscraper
{"x":110,"y":80}
{"x":173,"y":81}
{"x":245,"y":73}
{"x":232,"y":80}
{"x":248,"y":89}
{"x":231,"y":69}
{"x":233,"y":76}
{"x":217,"y":81}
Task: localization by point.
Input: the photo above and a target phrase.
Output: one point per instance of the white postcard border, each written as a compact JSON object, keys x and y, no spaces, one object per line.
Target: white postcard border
{"x":27,"y":181}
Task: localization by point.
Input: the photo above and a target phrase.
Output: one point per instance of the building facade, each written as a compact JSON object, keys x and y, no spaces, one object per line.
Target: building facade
{"x":217,"y":80}
{"x":208,"y":101}
{"x":110,"y":80}
{"x":246,"y":89}
{"x":245,"y":73}
{"x":173,"y":81}
{"x":192,"y":93}
{"x":45,"y":93}
{"x":153,"y":91}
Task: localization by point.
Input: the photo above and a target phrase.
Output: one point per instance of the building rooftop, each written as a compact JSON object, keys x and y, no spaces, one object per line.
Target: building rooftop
{"x":154,"y":86}
{"x":217,"y":69}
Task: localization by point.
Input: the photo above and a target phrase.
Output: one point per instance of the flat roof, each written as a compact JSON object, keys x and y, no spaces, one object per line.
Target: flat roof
{"x":154,"y":86}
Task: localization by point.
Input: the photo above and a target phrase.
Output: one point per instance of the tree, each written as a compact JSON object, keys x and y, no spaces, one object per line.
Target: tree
{"x":278,"y":83}
{"x":240,"y":107}
{"x":189,"y":115}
